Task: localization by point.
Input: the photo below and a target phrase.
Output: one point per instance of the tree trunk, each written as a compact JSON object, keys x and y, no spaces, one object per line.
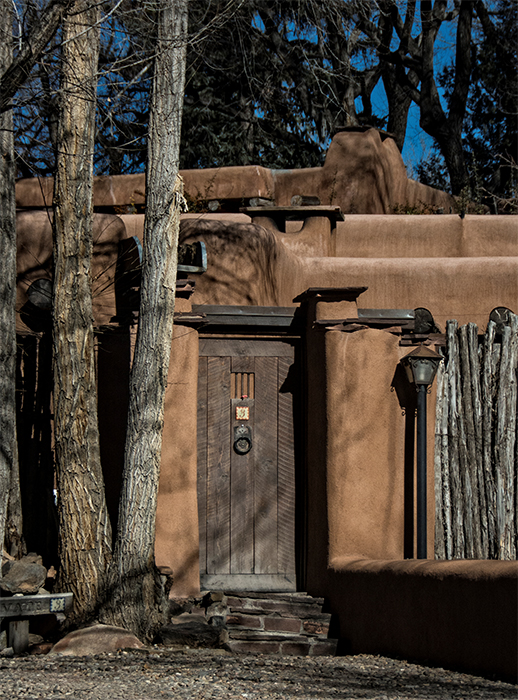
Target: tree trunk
{"x":137,"y":600}
{"x":84,"y":536}
{"x":447,"y":130}
{"x":8,"y":451}
{"x":398,"y":103}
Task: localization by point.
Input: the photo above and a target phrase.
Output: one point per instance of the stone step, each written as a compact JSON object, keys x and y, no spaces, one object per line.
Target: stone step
{"x":318,"y":625}
{"x":297,"y":608}
{"x":271,"y":623}
{"x":299,"y":596}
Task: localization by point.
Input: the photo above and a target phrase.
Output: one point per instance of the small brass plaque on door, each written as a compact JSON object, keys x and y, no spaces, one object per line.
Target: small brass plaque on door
{"x":242,"y":413}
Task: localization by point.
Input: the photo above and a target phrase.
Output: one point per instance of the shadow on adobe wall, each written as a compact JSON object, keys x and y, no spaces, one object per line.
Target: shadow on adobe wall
{"x":460,"y":615}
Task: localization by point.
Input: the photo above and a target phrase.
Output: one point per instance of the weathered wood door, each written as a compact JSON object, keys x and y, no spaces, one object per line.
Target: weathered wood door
{"x":246,"y":499}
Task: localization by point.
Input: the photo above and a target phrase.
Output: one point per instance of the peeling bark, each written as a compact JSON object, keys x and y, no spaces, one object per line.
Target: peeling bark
{"x":85,"y":536}
{"x":8,"y":452}
{"x":137,"y":598}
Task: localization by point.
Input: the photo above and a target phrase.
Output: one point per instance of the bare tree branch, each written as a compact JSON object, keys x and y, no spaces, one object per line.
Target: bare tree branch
{"x":40,"y":34}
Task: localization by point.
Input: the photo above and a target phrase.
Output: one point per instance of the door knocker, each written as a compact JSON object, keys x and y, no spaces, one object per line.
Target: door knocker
{"x":242,"y":439}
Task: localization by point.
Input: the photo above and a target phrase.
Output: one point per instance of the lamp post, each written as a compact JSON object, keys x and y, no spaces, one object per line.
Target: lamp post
{"x":421,"y":366}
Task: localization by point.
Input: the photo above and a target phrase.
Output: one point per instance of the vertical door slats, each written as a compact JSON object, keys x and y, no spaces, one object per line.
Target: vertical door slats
{"x":286,"y":475}
{"x":218,"y":458}
{"x":265,"y":465}
{"x":246,"y":502}
{"x":201,"y":436}
{"x":242,"y":501}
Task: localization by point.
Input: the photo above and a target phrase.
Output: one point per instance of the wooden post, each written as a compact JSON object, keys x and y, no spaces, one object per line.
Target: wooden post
{"x":19,"y":635}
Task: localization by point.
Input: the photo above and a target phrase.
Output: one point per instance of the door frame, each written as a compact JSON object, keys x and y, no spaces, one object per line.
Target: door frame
{"x":265,"y":324}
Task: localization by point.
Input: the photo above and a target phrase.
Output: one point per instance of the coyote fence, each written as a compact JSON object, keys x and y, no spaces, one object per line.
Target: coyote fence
{"x":476,"y":445}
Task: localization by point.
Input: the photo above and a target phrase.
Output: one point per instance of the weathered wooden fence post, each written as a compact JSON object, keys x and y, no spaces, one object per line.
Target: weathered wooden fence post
{"x":476,"y":445}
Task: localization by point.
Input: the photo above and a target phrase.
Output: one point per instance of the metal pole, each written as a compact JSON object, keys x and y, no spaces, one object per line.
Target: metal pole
{"x":421,"y":471}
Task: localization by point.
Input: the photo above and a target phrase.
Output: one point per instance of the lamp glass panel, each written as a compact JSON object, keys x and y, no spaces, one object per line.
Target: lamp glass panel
{"x":423,"y":370}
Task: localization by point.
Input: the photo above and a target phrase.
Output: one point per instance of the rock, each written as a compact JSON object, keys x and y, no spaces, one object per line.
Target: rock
{"x":26,"y":575}
{"x":189,"y":630}
{"x":7,"y":652}
{"x":40,"y":649}
{"x":178,"y":606}
{"x":217,"y":610}
{"x":96,"y":640}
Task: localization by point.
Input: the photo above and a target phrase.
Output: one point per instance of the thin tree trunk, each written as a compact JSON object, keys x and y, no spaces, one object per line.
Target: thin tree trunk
{"x":488,"y":381}
{"x":505,"y":441}
{"x":84,"y":536}
{"x":477,"y":466}
{"x":137,"y":600}
{"x":442,"y":514}
{"x":457,"y":498}
{"x":8,"y":451}
{"x":470,"y":380}
{"x":14,"y":537}
{"x":399,"y":102}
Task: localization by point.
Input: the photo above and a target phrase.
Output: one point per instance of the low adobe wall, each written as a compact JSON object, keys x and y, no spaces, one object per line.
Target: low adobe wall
{"x":456,"y":614}
{"x":466,"y":289}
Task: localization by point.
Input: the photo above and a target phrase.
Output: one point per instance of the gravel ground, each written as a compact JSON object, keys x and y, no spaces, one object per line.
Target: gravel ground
{"x":159,"y":672}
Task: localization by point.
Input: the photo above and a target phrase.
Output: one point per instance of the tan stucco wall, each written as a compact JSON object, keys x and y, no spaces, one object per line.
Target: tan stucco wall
{"x":248,"y":264}
{"x":34,"y":259}
{"x":360,"y":450}
{"x":466,"y":289}
{"x":177,"y":538}
{"x":456,"y":614}
{"x":444,"y":236}
{"x":366,"y":447}
{"x":363,"y":173}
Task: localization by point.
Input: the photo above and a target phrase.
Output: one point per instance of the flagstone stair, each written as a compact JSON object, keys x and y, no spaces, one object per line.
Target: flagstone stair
{"x":272,"y":623}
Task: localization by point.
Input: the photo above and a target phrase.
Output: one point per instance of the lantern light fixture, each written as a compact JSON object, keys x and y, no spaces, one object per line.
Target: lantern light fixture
{"x":421,"y":365}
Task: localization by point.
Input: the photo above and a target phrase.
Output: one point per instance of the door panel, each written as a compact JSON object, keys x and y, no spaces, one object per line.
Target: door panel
{"x":218,"y":458}
{"x":246,"y":501}
{"x":286,"y":475}
{"x":242,"y":502}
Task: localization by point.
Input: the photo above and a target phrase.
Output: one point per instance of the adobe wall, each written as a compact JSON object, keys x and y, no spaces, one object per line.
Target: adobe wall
{"x":457,"y":268}
{"x":361,"y":504}
{"x":360,"y":449}
{"x":177,"y":536}
{"x":34,"y":259}
{"x":432,"y":236}
{"x":248,"y":264}
{"x":370,"y":447}
{"x":381,"y":236}
{"x":363,"y":173}
{"x":455,"y":614}
{"x":466,"y":289}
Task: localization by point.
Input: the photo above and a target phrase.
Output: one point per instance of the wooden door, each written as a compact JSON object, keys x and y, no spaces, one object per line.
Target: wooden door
{"x":246,"y":501}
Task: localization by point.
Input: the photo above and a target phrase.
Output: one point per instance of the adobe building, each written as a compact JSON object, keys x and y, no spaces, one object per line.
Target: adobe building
{"x":288,"y":449}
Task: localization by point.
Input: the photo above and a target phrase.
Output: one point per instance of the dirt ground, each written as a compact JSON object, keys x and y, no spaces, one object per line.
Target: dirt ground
{"x":197,"y":674}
